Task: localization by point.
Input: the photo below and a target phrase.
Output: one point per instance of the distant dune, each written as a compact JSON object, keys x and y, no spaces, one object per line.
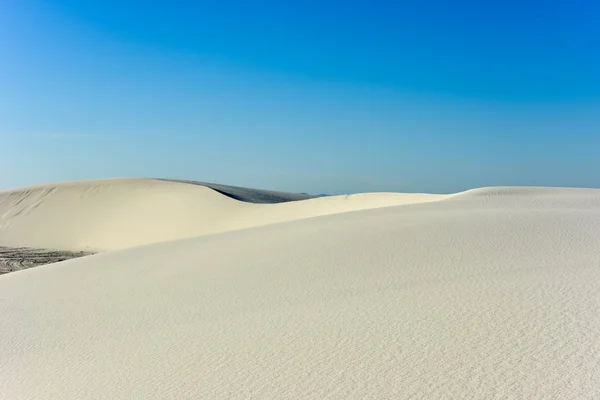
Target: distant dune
{"x":119,"y":213}
{"x":490,"y":293}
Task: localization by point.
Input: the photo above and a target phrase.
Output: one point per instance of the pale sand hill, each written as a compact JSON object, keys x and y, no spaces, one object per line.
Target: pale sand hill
{"x":119,"y":213}
{"x":492,"y":293}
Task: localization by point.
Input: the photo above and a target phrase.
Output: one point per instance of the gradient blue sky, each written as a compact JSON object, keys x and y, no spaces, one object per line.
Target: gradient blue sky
{"x":310,"y":96}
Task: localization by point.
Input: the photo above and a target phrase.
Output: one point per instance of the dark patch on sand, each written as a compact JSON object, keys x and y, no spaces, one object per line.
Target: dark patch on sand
{"x":18,"y":258}
{"x":248,"y":195}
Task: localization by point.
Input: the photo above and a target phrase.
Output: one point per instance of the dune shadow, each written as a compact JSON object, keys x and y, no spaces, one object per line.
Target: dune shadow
{"x":248,"y":195}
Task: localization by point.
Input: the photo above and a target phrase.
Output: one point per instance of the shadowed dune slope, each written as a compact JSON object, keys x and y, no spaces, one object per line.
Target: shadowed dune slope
{"x":248,"y":195}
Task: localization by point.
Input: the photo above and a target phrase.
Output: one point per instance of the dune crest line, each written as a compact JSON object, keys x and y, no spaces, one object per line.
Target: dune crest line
{"x":114,"y":214}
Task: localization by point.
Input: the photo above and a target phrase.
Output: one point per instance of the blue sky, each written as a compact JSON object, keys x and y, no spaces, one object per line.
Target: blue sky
{"x":310,"y":96}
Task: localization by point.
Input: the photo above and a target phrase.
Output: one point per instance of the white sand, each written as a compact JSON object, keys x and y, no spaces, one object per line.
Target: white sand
{"x":119,"y":213}
{"x":492,"y":293}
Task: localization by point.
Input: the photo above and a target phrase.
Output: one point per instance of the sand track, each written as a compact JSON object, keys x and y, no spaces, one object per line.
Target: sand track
{"x":18,"y":258}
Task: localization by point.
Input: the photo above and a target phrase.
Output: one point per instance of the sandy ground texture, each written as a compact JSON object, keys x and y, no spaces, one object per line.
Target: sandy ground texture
{"x":490,"y":293}
{"x":18,"y":258}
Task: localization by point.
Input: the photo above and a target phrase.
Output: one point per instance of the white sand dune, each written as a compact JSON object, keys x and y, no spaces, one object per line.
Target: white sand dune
{"x":487,"y":294}
{"x":118,"y":213}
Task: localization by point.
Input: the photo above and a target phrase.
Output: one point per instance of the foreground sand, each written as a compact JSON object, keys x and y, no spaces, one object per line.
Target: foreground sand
{"x":491,"y":293}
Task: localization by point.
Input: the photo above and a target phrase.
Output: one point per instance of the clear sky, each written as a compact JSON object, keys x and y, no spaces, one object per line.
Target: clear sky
{"x":310,"y":96}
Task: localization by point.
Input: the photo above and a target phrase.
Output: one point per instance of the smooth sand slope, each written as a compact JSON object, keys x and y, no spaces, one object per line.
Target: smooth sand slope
{"x":492,"y":293}
{"x":118,"y":213}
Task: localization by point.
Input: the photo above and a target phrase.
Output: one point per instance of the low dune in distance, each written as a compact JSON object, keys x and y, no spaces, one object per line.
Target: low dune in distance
{"x":119,"y":213}
{"x":490,"y":293}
